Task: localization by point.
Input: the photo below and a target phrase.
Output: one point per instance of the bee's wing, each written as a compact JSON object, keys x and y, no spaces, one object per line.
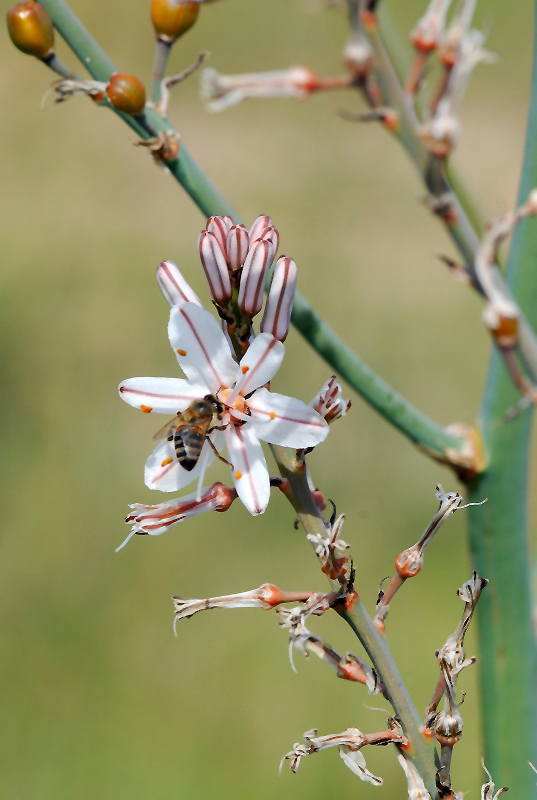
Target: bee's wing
{"x":167,"y":430}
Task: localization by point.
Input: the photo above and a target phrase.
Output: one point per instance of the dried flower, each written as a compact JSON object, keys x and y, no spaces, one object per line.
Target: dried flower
{"x":224,"y":91}
{"x":155,"y":520}
{"x":329,"y":401}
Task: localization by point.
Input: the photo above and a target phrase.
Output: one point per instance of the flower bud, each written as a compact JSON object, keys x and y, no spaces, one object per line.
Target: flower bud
{"x":219,"y":226}
{"x":261,"y":224}
{"x":215,"y":268}
{"x":277,"y":316}
{"x":173,"y":18}
{"x":30,"y":29}
{"x":126,"y":93}
{"x":174,"y":287}
{"x":272,"y":234}
{"x":237,"y":246}
{"x":253,"y":276}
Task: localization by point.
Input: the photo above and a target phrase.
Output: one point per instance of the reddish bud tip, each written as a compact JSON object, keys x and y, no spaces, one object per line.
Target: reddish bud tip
{"x":173,"y":18}
{"x":126,"y":93}
{"x":30,"y":29}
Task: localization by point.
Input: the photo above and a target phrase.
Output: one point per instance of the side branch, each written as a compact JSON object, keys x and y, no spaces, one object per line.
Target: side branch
{"x":361,"y":623}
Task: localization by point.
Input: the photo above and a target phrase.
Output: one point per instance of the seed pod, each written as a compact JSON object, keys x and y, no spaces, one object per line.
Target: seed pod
{"x":30,"y":29}
{"x":173,"y":18}
{"x":126,"y":93}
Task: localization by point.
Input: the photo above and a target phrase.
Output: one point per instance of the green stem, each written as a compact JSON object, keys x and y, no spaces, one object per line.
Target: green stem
{"x":411,"y":422}
{"x":498,"y":536}
{"x":361,"y":623}
{"x":162,"y":53}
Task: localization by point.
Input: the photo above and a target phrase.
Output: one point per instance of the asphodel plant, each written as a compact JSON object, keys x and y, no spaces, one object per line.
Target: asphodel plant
{"x":223,"y":407}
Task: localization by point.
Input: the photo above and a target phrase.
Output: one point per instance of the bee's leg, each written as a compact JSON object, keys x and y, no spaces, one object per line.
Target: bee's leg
{"x":218,"y":428}
{"x":217,"y":454}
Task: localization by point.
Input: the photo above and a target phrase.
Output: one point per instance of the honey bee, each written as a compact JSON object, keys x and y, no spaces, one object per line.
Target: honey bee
{"x":190,"y":429}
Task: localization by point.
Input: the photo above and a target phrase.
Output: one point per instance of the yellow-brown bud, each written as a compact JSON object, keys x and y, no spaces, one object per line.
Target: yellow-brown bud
{"x":126,"y":93}
{"x":30,"y":29}
{"x":173,"y":18}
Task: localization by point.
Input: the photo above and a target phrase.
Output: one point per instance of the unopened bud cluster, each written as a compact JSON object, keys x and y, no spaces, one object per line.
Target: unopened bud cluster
{"x":236,"y":262}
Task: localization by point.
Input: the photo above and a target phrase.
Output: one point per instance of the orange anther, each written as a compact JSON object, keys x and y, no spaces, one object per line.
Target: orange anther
{"x":181,"y":352}
{"x":146,"y":409}
{"x":272,"y":415}
{"x":245,"y":369}
{"x":238,"y":475}
{"x":167,"y":461}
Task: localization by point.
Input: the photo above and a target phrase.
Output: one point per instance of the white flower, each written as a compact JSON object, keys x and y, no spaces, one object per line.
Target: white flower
{"x":348,"y":743}
{"x":251,"y":412}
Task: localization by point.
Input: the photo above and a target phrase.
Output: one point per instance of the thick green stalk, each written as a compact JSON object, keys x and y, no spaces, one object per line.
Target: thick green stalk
{"x":498,"y":535}
{"x":411,"y":422}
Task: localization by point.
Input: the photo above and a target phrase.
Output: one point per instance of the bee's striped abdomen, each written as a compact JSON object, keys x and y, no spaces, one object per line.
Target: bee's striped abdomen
{"x":188,"y":441}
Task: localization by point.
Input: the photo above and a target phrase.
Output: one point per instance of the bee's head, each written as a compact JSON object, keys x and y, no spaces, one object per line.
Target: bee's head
{"x":215,"y":402}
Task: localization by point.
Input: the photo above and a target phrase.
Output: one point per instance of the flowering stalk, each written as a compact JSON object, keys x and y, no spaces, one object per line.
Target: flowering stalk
{"x":412,"y":423}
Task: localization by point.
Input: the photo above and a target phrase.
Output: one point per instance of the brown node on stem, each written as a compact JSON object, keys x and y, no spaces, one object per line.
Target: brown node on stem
{"x":469,"y":460}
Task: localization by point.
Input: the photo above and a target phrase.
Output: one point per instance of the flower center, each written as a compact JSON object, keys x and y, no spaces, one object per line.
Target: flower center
{"x":237,"y":407}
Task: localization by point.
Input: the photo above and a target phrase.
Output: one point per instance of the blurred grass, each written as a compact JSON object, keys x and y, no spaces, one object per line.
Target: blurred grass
{"x":99,"y":699}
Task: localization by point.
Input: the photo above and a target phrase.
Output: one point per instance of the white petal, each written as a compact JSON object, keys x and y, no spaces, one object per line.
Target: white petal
{"x":356,"y":763}
{"x":174,"y":287}
{"x":198,"y":342}
{"x":285,"y":420}
{"x":261,"y":362}
{"x":250,"y":473}
{"x":170,"y":477}
{"x":163,"y":395}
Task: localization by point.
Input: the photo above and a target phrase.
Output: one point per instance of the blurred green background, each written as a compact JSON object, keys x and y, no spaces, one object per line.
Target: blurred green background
{"x":99,"y":699}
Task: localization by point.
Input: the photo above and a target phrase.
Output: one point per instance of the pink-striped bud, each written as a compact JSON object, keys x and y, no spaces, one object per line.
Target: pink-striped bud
{"x":219,"y":226}
{"x":237,"y":246}
{"x":215,"y":267}
{"x":259,"y":226}
{"x":254,"y":272}
{"x":277,"y":316}
{"x":174,"y":287}
{"x":272,"y":234}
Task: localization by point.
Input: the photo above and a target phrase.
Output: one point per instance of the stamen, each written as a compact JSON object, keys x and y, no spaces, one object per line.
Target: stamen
{"x":238,"y":475}
{"x":272,"y":415}
{"x":167,"y":461}
{"x":235,"y":392}
{"x":121,"y":546}
{"x":181,"y":352}
{"x":146,"y":409}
